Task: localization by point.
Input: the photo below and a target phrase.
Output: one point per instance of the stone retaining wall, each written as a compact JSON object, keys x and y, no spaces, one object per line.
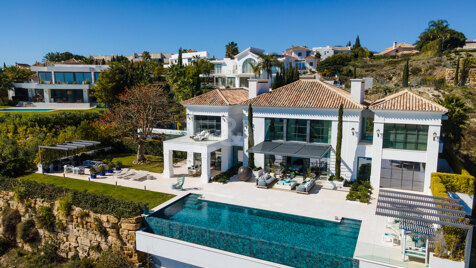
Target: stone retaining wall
{"x":81,"y":232}
{"x":450,"y":76}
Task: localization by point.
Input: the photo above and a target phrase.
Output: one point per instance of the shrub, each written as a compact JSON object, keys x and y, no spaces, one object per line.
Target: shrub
{"x":225,"y":176}
{"x":46,"y":256}
{"x":119,"y":164}
{"x":65,"y":205}
{"x":27,"y":232}
{"x":10,"y":219}
{"x":112,"y":259}
{"x":360,"y":190}
{"x":96,"y":203}
{"x":45,"y":217}
{"x":446,"y":182}
{"x":5,"y":245}
{"x":100,"y":227}
{"x":20,"y":193}
{"x":334,"y":178}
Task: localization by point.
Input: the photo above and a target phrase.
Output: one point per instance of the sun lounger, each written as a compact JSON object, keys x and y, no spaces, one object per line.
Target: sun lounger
{"x":306,"y":186}
{"x":179,"y":184}
{"x":265,"y":181}
{"x":141,"y":176}
{"x":127,"y":175}
{"x":286,"y":184}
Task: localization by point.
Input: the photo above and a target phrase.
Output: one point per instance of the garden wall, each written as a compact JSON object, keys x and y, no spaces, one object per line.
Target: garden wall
{"x":82,"y":232}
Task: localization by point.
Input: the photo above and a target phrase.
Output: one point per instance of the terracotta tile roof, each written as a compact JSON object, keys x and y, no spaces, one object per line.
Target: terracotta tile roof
{"x":291,"y":57}
{"x":297,"y":47}
{"x":341,"y":48}
{"x":306,"y":94}
{"x":219,"y":97}
{"x":310,"y":57}
{"x":407,"y":101}
{"x":401,"y":45}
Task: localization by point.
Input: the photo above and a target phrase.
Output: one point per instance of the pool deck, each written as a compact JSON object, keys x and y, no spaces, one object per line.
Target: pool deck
{"x":323,"y":203}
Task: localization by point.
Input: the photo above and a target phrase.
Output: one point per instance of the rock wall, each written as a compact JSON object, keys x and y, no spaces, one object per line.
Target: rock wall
{"x":450,"y":76}
{"x":82,"y":232}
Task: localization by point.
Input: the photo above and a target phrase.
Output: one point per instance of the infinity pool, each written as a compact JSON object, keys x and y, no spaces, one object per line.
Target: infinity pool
{"x":25,"y":110}
{"x":277,"y":237}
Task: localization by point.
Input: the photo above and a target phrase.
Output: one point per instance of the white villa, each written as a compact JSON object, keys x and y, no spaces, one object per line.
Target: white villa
{"x":300,"y":57}
{"x":328,"y":51}
{"x":397,"y":137}
{"x":187,"y":57}
{"x":61,"y":84}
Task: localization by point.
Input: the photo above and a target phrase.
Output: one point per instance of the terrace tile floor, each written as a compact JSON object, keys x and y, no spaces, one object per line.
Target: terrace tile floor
{"x":323,"y":203}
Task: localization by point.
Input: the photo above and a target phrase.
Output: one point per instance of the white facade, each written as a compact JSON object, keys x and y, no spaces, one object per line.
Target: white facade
{"x":187,"y":58}
{"x":301,"y":58}
{"x":236,"y":72}
{"x":414,"y":166}
{"x":59,"y":83}
{"x":329,"y":51}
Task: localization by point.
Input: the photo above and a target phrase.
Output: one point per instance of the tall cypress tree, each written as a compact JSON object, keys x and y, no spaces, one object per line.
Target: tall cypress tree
{"x":405,"y":74}
{"x":457,"y":74}
{"x":339,"y":142}
{"x":251,"y":139}
{"x":355,"y":72}
{"x":179,"y":60}
{"x":357,"y":43}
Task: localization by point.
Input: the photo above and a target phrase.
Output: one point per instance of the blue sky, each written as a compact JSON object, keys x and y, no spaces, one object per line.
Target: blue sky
{"x":30,"y":29}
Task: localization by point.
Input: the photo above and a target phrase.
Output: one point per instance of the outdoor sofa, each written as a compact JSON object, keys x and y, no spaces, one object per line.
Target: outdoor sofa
{"x":306,"y":186}
{"x":265,"y":181}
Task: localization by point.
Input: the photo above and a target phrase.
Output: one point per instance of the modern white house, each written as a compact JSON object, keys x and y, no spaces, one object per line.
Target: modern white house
{"x":61,"y":84}
{"x":235,"y":73}
{"x":187,"y":57}
{"x":394,"y":141}
{"x":328,"y":51}
{"x":300,"y":57}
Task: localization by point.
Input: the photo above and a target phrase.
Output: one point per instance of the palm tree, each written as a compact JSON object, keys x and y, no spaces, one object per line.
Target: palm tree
{"x":256,"y":69}
{"x":146,"y":55}
{"x":457,"y":119}
{"x":267,"y":63}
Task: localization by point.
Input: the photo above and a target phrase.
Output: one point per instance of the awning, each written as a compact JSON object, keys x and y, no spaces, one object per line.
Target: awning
{"x":295,"y":149}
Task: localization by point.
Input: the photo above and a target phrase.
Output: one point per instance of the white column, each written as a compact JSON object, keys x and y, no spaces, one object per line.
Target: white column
{"x":93,"y":81}
{"x":205,"y":167}
{"x":377,"y":155}
{"x":226,"y":158}
{"x":168,"y":162}
{"x":432,"y":149}
{"x":85,"y":95}
{"x":190,"y":126}
{"x":47,"y":94}
{"x":189,"y":159}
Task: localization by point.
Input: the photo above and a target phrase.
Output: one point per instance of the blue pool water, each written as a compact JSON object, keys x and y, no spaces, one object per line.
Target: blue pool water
{"x":25,"y":110}
{"x":277,"y":237}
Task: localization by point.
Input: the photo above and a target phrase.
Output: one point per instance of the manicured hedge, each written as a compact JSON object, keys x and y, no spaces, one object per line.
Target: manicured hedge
{"x":437,"y":188}
{"x":95,"y":203}
{"x":225,"y":176}
{"x":455,"y":182}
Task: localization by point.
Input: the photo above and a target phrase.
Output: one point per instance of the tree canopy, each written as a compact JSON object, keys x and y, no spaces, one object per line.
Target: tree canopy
{"x":17,"y":74}
{"x":333,"y":64}
{"x":5,"y":85}
{"x":142,"y":108}
{"x":62,"y":56}
{"x":439,"y":37}
{"x":268,"y":61}
{"x":231,"y":50}
{"x":457,"y":119}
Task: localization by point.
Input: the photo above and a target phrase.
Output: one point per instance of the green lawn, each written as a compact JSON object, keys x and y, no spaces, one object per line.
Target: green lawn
{"x":156,"y":165}
{"x":116,"y":192}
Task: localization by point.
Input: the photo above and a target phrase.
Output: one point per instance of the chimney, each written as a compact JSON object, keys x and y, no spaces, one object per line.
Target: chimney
{"x":257,"y":87}
{"x":357,"y":90}
{"x":394,"y":44}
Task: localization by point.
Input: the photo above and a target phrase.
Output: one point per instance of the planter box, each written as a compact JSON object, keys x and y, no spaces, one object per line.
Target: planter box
{"x":110,"y":171}
{"x":256,"y":173}
{"x":93,"y":176}
{"x":102,"y":174}
{"x":118,"y":169}
{"x":336,"y":184}
{"x":436,"y":262}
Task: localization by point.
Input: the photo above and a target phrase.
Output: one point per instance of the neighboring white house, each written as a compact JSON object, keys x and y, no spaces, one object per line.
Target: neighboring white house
{"x":301,"y":58}
{"x":187,"y":57}
{"x":394,"y":141}
{"x":236,"y":72}
{"x":469,"y":44}
{"x":62,"y":84}
{"x":154,"y":56}
{"x":329,"y":51}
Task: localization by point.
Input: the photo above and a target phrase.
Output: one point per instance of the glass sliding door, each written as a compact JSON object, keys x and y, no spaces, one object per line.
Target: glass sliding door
{"x":274,"y":129}
{"x":403,"y":175}
{"x":296,"y":130}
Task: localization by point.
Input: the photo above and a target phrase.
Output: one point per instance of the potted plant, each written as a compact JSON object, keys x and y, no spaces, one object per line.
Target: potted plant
{"x":118,"y":165}
{"x":256,"y":171}
{"x":92,"y":171}
{"x":102,"y":170}
{"x":110,"y":167}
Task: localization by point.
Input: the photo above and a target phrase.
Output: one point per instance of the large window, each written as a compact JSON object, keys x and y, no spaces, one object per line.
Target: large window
{"x":367,"y":129}
{"x":406,"y":137}
{"x":300,"y":65}
{"x":230,"y":82}
{"x":68,"y":96}
{"x":45,"y":76}
{"x":82,"y":77}
{"x":209,"y":123}
{"x":247,"y":66}
{"x":296,"y":130}
{"x":64,"y":77}
{"x":274,"y":129}
{"x":218,"y":68}
{"x":403,"y":175}
{"x":320,"y":131}
{"x":96,"y":77}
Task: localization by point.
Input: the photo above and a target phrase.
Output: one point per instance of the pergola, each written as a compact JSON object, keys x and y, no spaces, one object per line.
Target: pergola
{"x":69,"y":146}
{"x":419,"y":213}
